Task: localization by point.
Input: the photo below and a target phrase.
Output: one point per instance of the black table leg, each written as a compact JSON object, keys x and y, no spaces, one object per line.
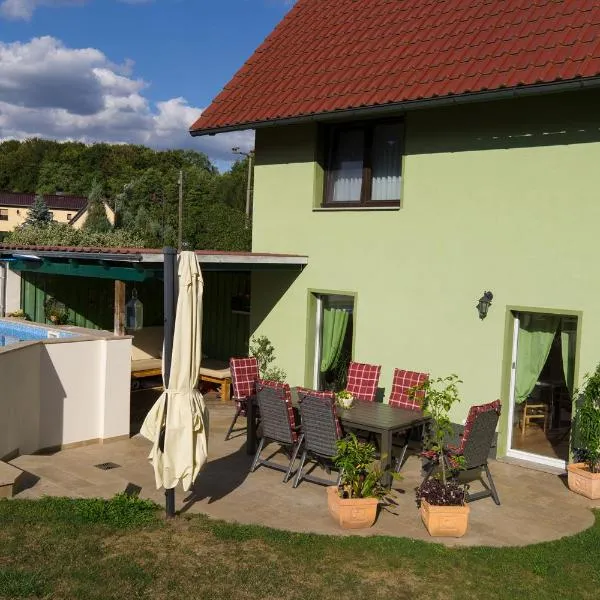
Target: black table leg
{"x":386,"y":456}
{"x":251,"y":426}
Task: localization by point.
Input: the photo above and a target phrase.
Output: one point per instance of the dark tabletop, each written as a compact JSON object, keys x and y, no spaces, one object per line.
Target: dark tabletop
{"x":375,"y":416}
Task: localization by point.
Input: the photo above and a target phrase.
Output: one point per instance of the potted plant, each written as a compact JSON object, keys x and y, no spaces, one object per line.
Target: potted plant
{"x":18,"y":314}
{"x":353,"y":503}
{"x":441,"y":500}
{"x":55,"y":312}
{"x":345,"y":399}
{"x":263,"y":350}
{"x":584,"y":476}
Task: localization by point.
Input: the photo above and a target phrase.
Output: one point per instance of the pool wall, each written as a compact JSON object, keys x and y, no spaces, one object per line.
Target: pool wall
{"x":61,"y":392}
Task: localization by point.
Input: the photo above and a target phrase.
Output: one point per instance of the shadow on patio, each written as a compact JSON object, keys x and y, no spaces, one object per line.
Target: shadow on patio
{"x":536,"y":506}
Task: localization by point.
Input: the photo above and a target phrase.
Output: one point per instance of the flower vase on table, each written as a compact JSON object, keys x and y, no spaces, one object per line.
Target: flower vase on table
{"x":344,"y":399}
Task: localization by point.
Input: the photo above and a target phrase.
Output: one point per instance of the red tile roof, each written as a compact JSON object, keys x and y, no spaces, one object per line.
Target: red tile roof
{"x":334,"y":55}
{"x":53,"y":201}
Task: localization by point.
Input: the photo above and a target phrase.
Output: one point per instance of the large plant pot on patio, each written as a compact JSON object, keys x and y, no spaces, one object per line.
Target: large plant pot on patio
{"x":583,"y":481}
{"x":351,"y":513}
{"x":445,"y":521}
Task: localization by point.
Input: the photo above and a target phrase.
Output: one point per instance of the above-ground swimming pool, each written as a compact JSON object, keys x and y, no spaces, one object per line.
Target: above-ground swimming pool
{"x":13,"y":333}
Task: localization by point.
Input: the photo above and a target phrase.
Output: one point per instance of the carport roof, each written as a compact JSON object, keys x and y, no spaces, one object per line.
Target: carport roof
{"x":133,"y":264}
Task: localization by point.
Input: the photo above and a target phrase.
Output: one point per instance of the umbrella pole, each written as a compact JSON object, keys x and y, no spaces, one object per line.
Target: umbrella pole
{"x":170,"y":304}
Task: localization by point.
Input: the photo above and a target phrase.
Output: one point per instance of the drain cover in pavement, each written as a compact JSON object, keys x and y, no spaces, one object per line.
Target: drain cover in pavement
{"x":107,"y":466}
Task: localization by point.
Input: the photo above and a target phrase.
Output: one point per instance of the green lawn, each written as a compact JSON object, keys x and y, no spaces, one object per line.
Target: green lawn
{"x":60,"y":548}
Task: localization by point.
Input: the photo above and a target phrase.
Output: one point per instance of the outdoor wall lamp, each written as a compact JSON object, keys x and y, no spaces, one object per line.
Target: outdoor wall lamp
{"x":484,"y":303}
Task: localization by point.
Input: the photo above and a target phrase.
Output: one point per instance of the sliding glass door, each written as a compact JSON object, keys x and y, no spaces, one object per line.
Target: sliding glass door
{"x":542,"y":376}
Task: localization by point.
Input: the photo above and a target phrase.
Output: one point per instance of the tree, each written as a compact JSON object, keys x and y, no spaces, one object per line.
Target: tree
{"x":38,"y":215}
{"x":96,"y":219}
{"x":140,"y":184}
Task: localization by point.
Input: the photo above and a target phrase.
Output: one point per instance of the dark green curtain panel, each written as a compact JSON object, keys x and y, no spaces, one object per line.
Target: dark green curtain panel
{"x":335,"y":323}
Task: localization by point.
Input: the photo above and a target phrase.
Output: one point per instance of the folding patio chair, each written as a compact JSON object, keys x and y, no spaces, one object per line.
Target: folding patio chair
{"x":400,"y":397}
{"x":363,"y":380}
{"x":321,"y":430}
{"x":278,"y":423}
{"x":474,"y":447}
{"x":244,"y":375}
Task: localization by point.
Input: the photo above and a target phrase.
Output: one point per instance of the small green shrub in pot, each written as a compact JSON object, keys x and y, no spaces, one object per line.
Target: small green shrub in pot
{"x":587,"y":422}
{"x":361,"y":476}
{"x":584,"y":476}
{"x":440,"y":394}
{"x":263,"y":350}
{"x":353,"y":504}
{"x":441,"y":500}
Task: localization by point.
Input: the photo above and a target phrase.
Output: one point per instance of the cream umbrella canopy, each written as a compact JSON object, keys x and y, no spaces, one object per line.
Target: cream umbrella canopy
{"x":185,"y":425}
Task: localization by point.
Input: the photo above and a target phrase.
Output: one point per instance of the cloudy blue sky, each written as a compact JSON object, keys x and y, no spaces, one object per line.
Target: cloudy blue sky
{"x":136,"y":71}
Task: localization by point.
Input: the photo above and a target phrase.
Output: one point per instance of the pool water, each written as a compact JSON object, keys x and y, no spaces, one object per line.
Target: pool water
{"x":13,"y":333}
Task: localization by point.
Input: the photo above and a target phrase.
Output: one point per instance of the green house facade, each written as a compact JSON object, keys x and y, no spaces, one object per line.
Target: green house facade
{"x":409,"y":211}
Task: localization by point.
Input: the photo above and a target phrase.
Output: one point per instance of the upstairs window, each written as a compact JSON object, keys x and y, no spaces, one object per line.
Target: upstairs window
{"x":364,"y":165}
{"x":3,"y":214}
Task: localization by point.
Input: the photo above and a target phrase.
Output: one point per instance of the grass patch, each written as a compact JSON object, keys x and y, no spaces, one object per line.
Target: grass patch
{"x":21,"y":584}
{"x":122,"y":548}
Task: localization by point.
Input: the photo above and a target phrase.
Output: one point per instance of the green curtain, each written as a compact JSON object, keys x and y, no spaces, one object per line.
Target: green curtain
{"x":536,"y":333}
{"x":335,"y":323}
{"x":567,"y":342}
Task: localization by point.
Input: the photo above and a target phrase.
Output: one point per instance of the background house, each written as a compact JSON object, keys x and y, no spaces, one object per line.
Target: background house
{"x":420,"y":154}
{"x":14,"y":207}
{"x":79,"y":219}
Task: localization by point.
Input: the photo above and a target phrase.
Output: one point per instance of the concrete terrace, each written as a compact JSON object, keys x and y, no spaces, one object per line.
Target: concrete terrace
{"x":536,"y":506}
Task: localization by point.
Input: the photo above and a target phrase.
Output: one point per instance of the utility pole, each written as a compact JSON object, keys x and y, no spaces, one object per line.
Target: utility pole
{"x":250,"y":156}
{"x":180,"y":213}
{"x":248,"y":186}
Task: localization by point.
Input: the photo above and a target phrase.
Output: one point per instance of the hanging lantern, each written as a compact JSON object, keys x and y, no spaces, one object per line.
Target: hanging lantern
{"x":484,"y":303}
{"x":134,"y":312}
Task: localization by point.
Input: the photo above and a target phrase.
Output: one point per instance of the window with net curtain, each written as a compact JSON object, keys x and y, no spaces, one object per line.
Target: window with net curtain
{"x":365,"y":164}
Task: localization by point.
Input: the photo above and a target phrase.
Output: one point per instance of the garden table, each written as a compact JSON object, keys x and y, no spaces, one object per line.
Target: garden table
{"x":382,"y":419}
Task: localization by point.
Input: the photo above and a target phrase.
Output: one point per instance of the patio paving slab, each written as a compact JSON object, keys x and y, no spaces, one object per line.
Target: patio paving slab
{"x":536,"y":506}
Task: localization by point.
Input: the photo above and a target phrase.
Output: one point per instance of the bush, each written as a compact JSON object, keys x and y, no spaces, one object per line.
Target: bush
{"x":264,"y":352}
{"x":61,"y":234}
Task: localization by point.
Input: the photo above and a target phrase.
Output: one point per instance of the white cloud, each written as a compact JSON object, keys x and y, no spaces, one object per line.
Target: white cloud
{"x":24,"y":9}
{"x":51,"y":91}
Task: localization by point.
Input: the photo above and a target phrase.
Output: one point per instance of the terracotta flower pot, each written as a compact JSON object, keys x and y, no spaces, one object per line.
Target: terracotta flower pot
{"x":445,"y":521}
{"x":351,"y":513}
{"x":583,"y":481}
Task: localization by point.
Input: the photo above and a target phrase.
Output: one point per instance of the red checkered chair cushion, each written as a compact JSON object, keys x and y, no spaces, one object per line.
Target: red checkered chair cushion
{"x":244,"y":375}
{"x":362,"y":380}
{"x":473,"y":412}
{"x":402,"y":383}
{"x":286,"y":396}
{"x":326,"y":396}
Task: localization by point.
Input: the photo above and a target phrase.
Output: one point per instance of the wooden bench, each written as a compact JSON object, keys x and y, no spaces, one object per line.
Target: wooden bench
{"x":146,"y":362}
{"x":211,"y":371}
{"x":216,"y":371}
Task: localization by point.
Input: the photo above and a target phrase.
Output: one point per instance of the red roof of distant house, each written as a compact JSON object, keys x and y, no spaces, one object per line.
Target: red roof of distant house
{"x":334,"y":55}
{"x":53,"y":201}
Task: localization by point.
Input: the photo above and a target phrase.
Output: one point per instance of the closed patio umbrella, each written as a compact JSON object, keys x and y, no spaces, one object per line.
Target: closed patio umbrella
{"x":182,"y":452}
